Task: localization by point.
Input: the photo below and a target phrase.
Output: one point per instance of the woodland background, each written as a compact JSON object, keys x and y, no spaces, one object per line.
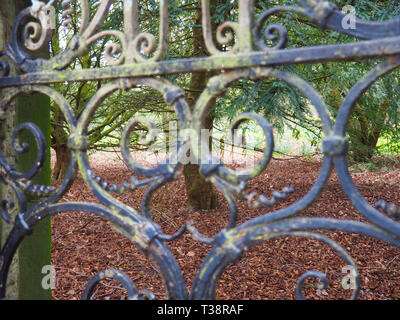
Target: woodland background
{"x":82,"y":244}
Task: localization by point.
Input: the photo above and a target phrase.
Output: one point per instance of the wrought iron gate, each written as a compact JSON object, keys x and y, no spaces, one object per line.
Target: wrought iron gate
{"x":141,"y":62}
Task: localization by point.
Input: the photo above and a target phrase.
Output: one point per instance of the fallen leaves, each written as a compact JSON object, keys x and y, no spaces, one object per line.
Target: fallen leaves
{"x":84,"y":244}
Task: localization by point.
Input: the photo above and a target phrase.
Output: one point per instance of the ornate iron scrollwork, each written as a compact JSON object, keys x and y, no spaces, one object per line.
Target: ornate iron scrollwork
{"x":139,"y":62}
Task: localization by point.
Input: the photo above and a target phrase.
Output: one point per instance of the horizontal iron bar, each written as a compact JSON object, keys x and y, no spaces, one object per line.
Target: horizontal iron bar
{"x":341,"y":52}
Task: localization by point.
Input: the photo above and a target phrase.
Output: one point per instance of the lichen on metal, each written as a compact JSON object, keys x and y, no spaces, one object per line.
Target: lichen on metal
{"x":139,"y":60}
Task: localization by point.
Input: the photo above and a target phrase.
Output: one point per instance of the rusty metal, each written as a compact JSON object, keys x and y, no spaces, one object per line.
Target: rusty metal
{"x":138,"y":60}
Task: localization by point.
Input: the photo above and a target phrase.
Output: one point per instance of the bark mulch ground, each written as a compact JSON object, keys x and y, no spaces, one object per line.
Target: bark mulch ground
{"x":84,"y":244}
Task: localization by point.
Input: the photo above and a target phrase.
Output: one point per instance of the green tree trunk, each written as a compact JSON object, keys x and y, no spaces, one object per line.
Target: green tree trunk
{"x":35,"y":250}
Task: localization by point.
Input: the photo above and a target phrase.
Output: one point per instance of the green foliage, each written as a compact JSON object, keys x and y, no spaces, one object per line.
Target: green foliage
{"x":377,"y":110}
{"x":376,"y":114}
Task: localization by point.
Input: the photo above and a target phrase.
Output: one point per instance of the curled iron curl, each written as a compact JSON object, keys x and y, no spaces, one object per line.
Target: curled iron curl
{"x":24,"y":147}
{"x":41,"y":149}
{"x":231,"y":243}
{"x":275,"y":31}
{"x":149,"y":138}
{"x":121,"y":277}
{"x":37,"y":33}
{"x":114,"y":53}
{"x":145,"y":44}
{"x":224,"y":35}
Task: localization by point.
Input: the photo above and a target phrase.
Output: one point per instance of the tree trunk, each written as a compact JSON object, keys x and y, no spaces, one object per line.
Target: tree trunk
{"x":63,"y":157}
{"x":59,"y":144}
{"x":200,"y":193}
{"x":365,"y":151}
{"x":366,"y":135}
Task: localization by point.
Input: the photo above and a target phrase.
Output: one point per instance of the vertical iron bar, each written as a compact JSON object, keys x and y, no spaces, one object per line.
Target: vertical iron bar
{"x":246,"y":18}
{"x":130,"y":26}
{"x":131,"y":19}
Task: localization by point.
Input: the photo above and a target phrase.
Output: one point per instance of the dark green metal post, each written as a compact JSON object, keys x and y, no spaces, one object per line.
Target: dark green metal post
{"x":35,"y":249}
